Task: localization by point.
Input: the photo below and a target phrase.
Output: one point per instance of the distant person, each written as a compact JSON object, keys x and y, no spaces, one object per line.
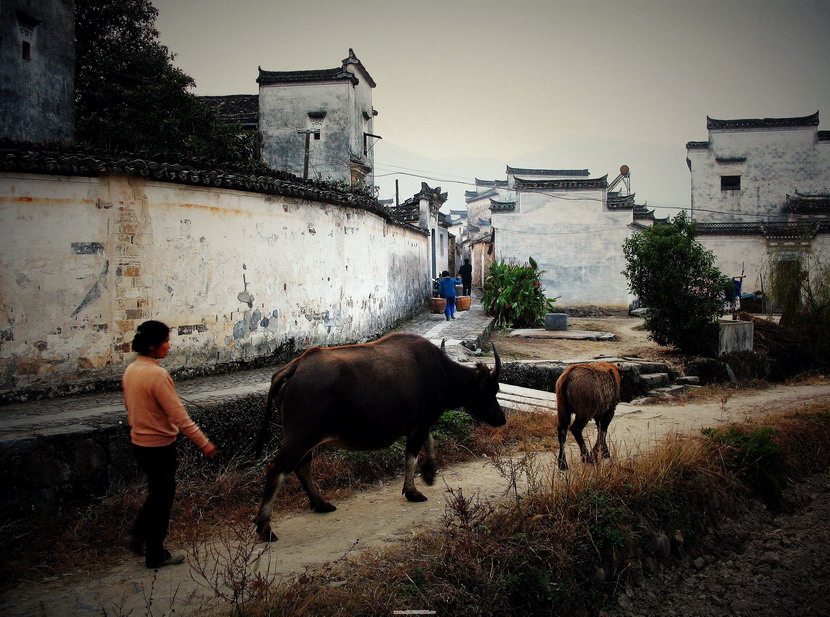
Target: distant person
{"x":446,"y":289}
{"x":466,"y":274}
{"x":156,"y":416}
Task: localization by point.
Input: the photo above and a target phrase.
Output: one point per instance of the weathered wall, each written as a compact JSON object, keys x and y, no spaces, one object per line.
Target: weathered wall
{"x":752,"y":255}
{"x":740,"y":254}
{"x":37,"y":70}
{"x":239,"y":275}
{"x":771,"y":162}
{"x":574,"y":240}
{"x":283,"y":110}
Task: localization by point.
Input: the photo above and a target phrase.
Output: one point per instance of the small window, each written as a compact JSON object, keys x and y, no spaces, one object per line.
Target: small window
{"x":27,"y":50}
{"x":317,"y":135}
{"x":730,"y":183}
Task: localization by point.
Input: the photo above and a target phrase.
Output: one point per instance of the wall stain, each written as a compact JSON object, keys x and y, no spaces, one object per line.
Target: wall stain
{"x":94,"y":293}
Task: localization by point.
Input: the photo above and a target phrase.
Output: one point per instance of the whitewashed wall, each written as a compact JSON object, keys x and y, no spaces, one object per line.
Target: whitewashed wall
{"x":778,"y":161}
{"x":283,"y":110}
{"x":574,"y":239}
{"x":752,"y":255}
{"x":238,"y":275}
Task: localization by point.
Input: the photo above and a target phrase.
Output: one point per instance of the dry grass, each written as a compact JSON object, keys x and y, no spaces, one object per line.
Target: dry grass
{"x":567,"y":543}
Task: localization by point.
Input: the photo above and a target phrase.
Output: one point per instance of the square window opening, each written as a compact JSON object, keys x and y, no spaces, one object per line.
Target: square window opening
{"x":730,"y":183}
{"x":26,"y":49}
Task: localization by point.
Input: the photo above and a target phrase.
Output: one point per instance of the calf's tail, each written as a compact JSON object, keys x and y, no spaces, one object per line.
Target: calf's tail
{"x":277,"y":382}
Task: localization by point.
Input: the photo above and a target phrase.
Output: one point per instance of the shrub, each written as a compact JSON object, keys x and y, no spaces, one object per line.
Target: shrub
{"x":676,"y":277}
{"x":514,"y":295}
{"x":800,"y":287}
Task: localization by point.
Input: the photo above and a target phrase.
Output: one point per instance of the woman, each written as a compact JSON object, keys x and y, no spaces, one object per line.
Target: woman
{"x":156,"y":416}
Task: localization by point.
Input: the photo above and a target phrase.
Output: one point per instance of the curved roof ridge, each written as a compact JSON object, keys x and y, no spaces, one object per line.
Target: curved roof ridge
{"x":751,"y":123}
{"x":547,"y":172}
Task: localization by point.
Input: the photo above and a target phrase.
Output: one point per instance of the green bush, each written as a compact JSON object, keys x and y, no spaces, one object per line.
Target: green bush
{"x":676,"y":278}
{"x":514,"y":295}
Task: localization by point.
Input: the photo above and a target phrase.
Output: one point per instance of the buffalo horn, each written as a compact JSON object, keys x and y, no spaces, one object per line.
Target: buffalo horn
{"x":498,"y":363}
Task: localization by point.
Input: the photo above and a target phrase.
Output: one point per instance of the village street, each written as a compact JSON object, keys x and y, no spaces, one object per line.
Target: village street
{"x":368,"y":520}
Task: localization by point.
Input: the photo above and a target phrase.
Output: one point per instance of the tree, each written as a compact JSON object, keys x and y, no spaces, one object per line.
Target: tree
{"x":676,"y":278}
{"x":130,"y":96}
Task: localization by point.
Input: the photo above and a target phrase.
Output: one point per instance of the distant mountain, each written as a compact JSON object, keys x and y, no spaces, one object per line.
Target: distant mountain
{"x":659,"y":175}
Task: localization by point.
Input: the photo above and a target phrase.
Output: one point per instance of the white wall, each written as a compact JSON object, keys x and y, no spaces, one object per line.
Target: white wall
{"x":752,"y":254}
{"x":238,"y":275}
{"x":778,"y":162}
{"x":574,"y":240}
{"x":283,"y":110}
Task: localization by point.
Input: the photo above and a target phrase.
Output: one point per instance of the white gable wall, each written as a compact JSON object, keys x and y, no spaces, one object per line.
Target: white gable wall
{"x":778,"y":161}
{"x":574,"y":239}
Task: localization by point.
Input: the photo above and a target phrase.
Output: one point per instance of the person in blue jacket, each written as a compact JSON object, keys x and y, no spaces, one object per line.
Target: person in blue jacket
{"x":446,"y":289}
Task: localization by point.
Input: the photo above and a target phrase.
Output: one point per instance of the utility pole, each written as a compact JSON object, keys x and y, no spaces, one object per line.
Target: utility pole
{"x":308,"y":133}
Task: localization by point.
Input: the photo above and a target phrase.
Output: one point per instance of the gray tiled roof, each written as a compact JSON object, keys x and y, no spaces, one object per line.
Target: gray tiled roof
{"x":337,"y":74}
{"x":501,"y":183}
{"x":547,"y":172}
{"x":775,"y":230}
{"x":754,"y":123}
{"x":808,"y":204}
{"x":77,"y":161}
{"x":235,"y":108}
{"x":572,"y":183}
{"x":277,"y":77}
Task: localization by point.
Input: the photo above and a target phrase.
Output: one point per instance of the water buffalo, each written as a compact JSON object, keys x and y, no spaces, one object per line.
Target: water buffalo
{"x":590,"y":392}
{"x":364,"y":397}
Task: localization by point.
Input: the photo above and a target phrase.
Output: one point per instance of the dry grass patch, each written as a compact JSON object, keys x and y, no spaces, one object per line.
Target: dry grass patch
{"x":570,"y":541}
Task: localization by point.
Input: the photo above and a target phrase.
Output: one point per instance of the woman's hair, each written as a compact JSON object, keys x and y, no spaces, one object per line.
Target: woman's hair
{"x":150,"y":334}
{"x":445,"y":273}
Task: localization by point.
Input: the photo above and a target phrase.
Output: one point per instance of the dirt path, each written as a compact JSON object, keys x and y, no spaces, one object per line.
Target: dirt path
{"x":368,"y":519}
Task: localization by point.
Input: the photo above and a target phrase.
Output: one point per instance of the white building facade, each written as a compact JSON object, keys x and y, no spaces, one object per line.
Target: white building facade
{"x":565,"y":221}
{"x":761,"y":188}
{"x":319,"y":124}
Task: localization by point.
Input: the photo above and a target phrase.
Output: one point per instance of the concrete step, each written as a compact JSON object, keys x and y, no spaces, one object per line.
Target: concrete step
{"x":516,"y":398}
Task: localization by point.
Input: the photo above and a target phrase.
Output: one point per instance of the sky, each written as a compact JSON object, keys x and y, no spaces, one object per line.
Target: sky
{"x":466,"y":87}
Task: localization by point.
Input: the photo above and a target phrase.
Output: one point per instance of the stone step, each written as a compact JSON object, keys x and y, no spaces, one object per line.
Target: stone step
{"x":655,"y":380}
{"x":688,"y":380}
{"x":670,"y":390}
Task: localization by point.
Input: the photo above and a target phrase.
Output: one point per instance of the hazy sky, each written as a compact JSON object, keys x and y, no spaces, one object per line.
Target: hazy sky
{"x":501,"y":79}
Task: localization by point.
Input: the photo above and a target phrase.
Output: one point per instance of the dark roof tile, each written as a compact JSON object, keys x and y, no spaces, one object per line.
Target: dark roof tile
{"x":547,"y":172}
{"x":755,"y":123}
{"x":571,"y":183}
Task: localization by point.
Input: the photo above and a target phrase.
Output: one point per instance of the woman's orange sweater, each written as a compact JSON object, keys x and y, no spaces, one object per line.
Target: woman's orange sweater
{"x":154,"y":411}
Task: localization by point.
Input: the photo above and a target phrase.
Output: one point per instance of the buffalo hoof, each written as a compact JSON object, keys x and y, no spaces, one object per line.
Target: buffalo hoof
{"x":415,"y":496}
{"x":428,"y":473}
{"x":322,"y":508}
{"x":563,"y":465}
{"x":266,"y":535}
